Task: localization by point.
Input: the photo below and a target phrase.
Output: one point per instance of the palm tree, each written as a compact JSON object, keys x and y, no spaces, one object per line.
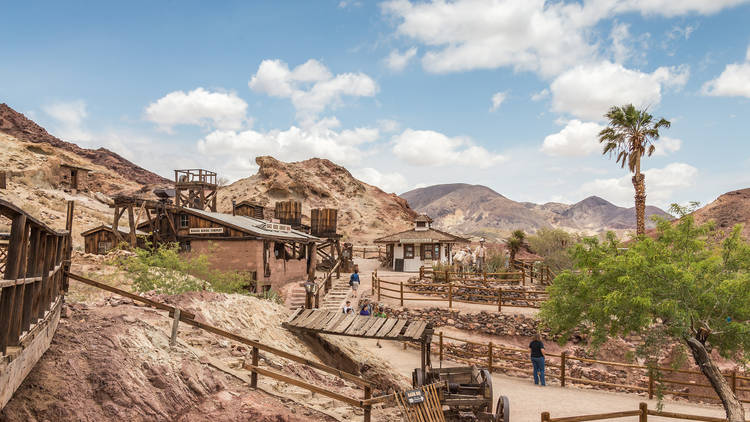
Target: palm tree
{"x":514,"y":244}
{"x":630,"y":135}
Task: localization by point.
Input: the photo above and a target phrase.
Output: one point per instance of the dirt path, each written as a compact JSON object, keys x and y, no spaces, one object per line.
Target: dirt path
{"x":528,"y":401}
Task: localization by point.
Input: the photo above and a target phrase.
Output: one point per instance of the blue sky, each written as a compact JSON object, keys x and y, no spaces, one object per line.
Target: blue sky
{"x":509,"y":94}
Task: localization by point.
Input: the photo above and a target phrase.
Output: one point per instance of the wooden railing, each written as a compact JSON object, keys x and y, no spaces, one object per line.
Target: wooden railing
{"x":643,"y":413}
{"x":368,"y":251}
{"x":500,"y":358}
{"x":508,"y":277}
{"x":179,"y":315}
{"x":451,"y":293}
{"x":535,"y":271}
{"x":33,"y":279}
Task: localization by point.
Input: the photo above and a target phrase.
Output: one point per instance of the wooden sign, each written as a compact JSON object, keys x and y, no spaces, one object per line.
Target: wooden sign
{"x":416,"y":240}
{"x":206,"y":230}
{"x":414,"y":396}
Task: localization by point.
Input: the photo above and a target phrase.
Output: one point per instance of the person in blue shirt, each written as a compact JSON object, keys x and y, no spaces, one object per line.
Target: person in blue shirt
{"x":537,"y":359}
{"x":354,"y":282}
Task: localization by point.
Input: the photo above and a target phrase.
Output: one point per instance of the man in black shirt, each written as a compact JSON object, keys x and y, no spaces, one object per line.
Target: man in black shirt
{"x":537,"y":359}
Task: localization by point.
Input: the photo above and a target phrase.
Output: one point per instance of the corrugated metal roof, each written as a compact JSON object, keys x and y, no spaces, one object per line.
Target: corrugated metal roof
{"x":122,"y":229}
{"x":421,"y":236}
{"x":254,"y":226}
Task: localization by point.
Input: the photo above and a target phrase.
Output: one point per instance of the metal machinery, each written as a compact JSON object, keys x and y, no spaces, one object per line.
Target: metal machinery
{"x":467,"y":393}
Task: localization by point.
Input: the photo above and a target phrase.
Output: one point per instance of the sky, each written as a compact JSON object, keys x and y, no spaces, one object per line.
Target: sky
{"x":510,"y":94}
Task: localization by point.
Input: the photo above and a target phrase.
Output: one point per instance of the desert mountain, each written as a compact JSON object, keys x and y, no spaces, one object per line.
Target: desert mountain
{"x":20,"y":127}
{"x":365,"y":211}
{"x":727,"y":210}
{"x":479,"y":210}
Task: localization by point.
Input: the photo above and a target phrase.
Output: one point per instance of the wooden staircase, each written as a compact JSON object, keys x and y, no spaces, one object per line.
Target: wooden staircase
{"x":335,"y":298}
{"x":296,"y":297}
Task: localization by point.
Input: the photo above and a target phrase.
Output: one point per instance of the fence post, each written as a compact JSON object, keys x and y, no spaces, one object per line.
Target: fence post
{"x":401,"y":284}
{"x":484,"y":276}
{"x":734,"y":381}
{"x":421,"y":272}
{"x":523,"y":276}
{"x":253,"y":374}
{"x":563,"y":358}
{"x":489,"y":356}
{"x":441,"y":348}
{"x":378,"y":282}
{"x":447,"y":276}
{"x":545,"y":416}
{"x":650,"y":384}
{"x":368,"y":407}
{"x":450,"y":295}
{"x":643,"y":417}
{"x":499,"y":299}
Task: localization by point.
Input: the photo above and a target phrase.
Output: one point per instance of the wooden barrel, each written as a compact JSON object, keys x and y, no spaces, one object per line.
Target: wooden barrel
{"x":323,"y":221}
{"x":289,"y":212}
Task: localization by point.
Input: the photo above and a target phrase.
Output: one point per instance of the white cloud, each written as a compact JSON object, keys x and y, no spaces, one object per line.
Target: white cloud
{"x":430,"y":148}
{"x":388,"y":125}
{"x":397,"y":61}
{"x":310,"y":86}
{"x":69,"y":117}
{"x":576,"y":139}
{"x":620,"y":35}
{"x":388,"y":182}
{"x":540,"y":36}
{"x":588,"y":91}
{"x":734,"y":81}
{"x":498,"y":99}
{"x":666,"y":145}
{"x":319,"y":140}
{"x":537,"y":96}
{"x":531,"y":35}
{"x":198,"y":107}
{"x":661,"y":184}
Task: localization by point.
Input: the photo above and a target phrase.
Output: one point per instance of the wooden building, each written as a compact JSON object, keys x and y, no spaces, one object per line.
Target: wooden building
{"x":272,"y":253}
{"x":252,"y":209}
{"x":73,"y":178}
{"x":422,"y":245}
{"x":195,"y":188}
{"x":102,"y":239}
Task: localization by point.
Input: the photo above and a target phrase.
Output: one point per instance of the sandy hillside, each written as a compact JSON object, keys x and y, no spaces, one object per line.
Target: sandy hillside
{"x":365,"y":211}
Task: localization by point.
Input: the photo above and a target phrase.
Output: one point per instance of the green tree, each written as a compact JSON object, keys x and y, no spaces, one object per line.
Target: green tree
{"x":514,"y":243}
{"x":629,"y":136}
{"x":553,"y":245}
{"x":681,"y":286}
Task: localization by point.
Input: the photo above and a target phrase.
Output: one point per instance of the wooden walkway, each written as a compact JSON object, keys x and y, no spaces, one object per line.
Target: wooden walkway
{"x":338,"y":323}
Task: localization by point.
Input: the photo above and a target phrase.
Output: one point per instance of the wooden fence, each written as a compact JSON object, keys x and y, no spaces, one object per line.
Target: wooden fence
{"x":534,"y":270}
{"x":508,"y":277}
{"x":368,"y":251}
{"x":254,"y":367}
{"x":451,"y":293}
{"x":643,"y":413}
{"x":34,"y":278}
{"x":498,"y":357}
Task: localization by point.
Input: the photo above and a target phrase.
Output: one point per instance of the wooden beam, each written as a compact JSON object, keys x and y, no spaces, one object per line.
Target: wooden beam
{"x":131,"y":222}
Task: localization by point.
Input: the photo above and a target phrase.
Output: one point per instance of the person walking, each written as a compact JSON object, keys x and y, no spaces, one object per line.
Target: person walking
{"x":537,"y":359}
{"x":481,"y":254}
{"x":354,"y":282}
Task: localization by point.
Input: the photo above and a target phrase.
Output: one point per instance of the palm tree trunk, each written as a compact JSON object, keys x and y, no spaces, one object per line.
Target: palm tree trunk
{"x":732,"y":406}
{"x":639,"y":183}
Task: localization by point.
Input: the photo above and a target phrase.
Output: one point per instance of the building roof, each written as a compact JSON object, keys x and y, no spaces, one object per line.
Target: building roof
{"x":108,"y":227}
{"x":421,"y":236}
{"x":423,"y":217}
{"x":249,"y":203}
{"x":254,"y":226}
{"x":74,"y":167}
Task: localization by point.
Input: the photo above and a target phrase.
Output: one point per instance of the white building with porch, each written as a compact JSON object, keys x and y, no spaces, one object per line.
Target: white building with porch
{"x":422,"y":245}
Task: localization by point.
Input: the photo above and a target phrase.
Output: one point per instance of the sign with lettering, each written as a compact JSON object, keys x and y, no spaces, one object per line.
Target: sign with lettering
{"x":416,"y":240}
{"x":414,"y":396}
{"x":206,"y":230}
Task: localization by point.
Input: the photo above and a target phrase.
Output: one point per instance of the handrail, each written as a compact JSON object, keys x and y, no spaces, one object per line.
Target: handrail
{"x":643,"y":413}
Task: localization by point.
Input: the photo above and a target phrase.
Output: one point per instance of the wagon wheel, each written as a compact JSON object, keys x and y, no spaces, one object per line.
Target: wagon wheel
{"x":502,"y":412}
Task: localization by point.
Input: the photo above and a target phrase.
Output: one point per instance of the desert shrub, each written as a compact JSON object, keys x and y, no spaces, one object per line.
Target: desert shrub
{"x":271,"y":295}
{"x":553,"y":245}
{"x":164,"y":270}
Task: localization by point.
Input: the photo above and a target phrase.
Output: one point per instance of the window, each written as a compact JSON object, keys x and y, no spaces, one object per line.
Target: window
{"x":278,"y":250}
{"x":421,"y":224}
{"x":185,"y":246}
{"x":184,"y":221}
{"x":427,"y":251}
{"x":436,"y":250}
{"x":408,"y":251}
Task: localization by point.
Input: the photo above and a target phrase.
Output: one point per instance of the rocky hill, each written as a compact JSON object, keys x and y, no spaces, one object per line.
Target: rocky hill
{"x":365,"y":211}
{"x":728,"y":210}
{"x":20,"y":127}
{"x":479,"y":210}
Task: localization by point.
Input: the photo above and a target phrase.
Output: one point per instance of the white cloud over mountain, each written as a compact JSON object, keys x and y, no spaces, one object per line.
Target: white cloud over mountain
{"x":587,"y":91}
{"x":69,"y":118}
{"x":388,"y":182}
{"x":198,"y":107}
{"x":430,"y":148}
{"x":576,"y":139}
{"x":310,"y":86}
